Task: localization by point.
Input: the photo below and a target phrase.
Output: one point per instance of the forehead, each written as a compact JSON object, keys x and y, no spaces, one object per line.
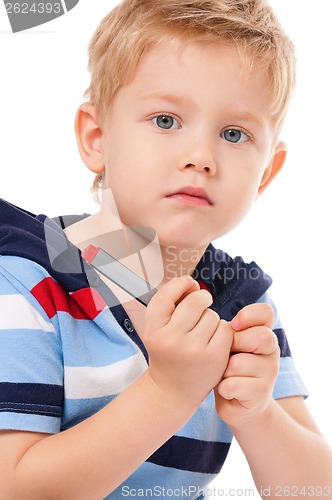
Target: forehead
{"x":200,"y":71}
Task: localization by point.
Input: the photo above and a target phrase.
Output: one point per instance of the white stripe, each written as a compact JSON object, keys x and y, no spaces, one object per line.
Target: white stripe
{"x":16,"y":312}
{"x":85,"y":382}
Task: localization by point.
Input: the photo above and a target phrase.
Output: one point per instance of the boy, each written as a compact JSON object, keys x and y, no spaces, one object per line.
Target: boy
{"x":182,"y":126}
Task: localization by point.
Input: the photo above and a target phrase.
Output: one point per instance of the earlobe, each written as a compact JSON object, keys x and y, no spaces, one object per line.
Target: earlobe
{"x":274,"y":167}
{"x":89,"y":137}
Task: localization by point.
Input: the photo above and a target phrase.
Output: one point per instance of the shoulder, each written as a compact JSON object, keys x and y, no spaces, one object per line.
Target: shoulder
{"x":20,"y":283}
{"x":30,"y":289}
{"x":20,"y":270}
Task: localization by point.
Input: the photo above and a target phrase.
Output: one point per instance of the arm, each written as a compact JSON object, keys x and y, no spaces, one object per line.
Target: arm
{"x":91,"y":459}
{"x":279,"y":438}
{"x":188,"y":350}
{"x":286,"y":452}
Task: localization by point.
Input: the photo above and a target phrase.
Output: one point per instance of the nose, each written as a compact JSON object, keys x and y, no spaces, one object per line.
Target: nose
{"x":198,"y":156}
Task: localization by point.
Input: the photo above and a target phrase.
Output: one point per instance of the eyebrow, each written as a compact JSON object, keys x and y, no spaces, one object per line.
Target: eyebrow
{"x":249,"y":117}
{"x":173,"y":98}
{"x":237,"y":114}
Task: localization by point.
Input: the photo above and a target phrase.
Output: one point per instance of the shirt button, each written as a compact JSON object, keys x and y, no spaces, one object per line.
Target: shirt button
{"x":128,"y":326}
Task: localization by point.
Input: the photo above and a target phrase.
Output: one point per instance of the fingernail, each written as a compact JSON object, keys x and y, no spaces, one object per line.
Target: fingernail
{"x":187,"y":277}
{"x":235,"y":323}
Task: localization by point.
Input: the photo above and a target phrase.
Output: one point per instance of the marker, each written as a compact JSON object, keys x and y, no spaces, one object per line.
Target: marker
{"x":115,"y":271}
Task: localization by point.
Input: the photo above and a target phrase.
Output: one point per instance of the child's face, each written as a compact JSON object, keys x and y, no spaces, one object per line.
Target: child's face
{"x":189,"y":119}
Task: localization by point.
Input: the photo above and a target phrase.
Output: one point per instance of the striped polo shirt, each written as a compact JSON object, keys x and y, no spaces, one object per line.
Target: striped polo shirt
{"x":68,"y":348}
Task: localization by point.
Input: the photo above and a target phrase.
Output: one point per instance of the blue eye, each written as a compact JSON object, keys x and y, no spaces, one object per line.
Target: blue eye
{"x":234,"y":135}
{"x":166,"y":122}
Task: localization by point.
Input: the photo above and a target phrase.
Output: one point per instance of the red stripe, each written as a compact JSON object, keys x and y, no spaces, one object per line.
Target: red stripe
{"x":90,"y":301}
{"x":83,"y":304}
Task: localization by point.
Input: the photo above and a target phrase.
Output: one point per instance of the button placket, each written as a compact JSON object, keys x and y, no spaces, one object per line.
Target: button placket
{"x":128,"y":326}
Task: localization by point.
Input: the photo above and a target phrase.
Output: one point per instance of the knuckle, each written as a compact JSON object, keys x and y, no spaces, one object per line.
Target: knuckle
{"x":266,"y":333}
{"x":267,"y":308}
{"x":261,"y":309}
{"x":230,"y":385}
{"x":199,"y":299}
{"x":268,"y":312}
{"x":157,"y":300}
{"x":235,"y":363}
{"x":212,"y":316}
{"x":205,"y":296}
{"x":267,"y":337}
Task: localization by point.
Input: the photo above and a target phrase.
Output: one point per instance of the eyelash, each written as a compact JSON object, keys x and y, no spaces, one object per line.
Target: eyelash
{"x":236,"y":129}
{"x":249,"y":136}
{"x":168,"y":115}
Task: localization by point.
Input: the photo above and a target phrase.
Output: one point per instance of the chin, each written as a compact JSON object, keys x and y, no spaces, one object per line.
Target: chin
{"x":183,"y":241}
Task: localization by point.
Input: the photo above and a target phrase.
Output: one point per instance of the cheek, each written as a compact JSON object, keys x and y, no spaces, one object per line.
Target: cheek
{"x":240,"y":193}
{"x":244,"y":182}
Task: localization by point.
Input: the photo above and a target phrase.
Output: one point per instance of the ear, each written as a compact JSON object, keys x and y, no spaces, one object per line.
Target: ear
{"x":274,"y":167}
{"x":89,"y":137}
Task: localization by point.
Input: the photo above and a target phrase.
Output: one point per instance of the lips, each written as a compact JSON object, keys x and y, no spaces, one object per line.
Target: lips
{"x":191,"y":195}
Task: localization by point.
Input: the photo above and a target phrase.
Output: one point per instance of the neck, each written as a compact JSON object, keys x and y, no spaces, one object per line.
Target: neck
{"x":180,"y":261}
{"x":137,"y":248}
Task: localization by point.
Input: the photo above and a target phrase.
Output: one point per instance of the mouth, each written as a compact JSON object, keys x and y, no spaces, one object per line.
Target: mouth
{"x":192,"y":196}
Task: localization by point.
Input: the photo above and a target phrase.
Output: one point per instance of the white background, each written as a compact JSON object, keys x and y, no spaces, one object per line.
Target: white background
{"x":43,"y":78}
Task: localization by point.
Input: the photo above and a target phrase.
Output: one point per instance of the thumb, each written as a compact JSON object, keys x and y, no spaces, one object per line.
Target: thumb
{"x":162,"y":305}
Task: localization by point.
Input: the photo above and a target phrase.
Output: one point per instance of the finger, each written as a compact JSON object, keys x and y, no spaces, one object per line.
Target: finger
{"x":259,"y":314}
{"x":244,"y":389}
{"x":257,"y":340}
{"x":195,"y":286}
{"x":247,"y":365}
{"x":162,"y":305}
{"x":189,"y":311}
{"x":207,"y":325}
{"x":222,"y":339}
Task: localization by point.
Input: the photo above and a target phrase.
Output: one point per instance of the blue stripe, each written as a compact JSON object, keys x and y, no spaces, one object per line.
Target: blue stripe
{"x":77,"y":410}
{"x":37,"y":354}
{"x":98,"y":346}
{"x":192,"y":455}
{"x":289,"y":383}
{"x":6,"y":286}
{"x":22,"y":270}
{"x":29,"y":422}
{"x":40,"y":399}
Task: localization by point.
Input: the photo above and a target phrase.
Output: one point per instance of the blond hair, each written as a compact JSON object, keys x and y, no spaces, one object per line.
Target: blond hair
{"x":134,"y":26}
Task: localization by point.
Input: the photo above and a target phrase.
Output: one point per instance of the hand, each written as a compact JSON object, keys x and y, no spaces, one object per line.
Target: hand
{"x":188,"y":345}
{"x":248,"y":382}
